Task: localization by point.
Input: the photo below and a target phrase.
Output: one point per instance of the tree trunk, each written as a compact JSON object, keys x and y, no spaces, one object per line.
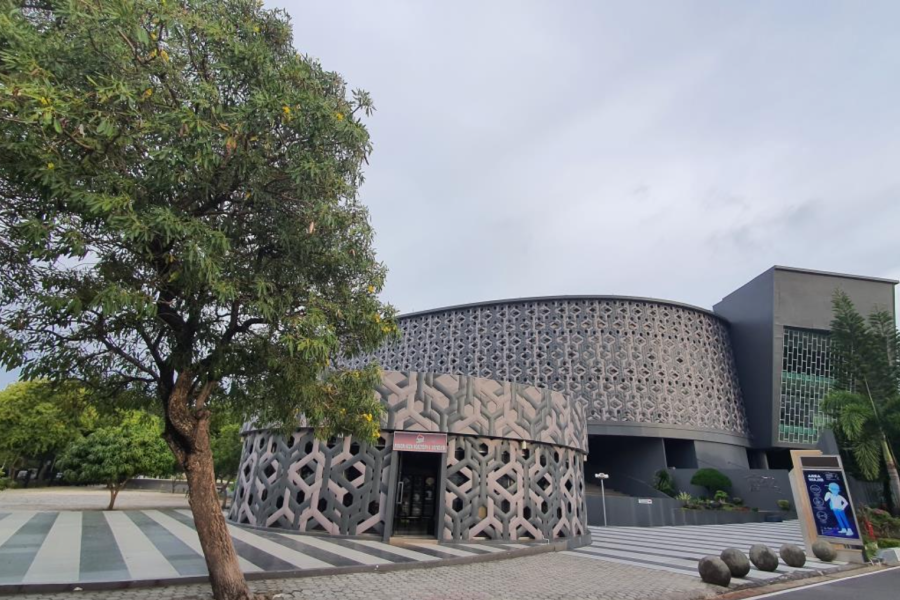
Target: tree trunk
{"x":893,"y":477}
{"x":113,"y":494}
{"x":187,"y":433}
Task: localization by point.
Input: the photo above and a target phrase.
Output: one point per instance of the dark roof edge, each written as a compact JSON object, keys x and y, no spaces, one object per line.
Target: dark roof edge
{"x":458,"y":307}
{"x":832,"y":274}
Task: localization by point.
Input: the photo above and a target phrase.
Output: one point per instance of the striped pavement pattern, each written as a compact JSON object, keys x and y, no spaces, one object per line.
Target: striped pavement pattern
{"x":677,"y":549}
{"x":93,"y":546}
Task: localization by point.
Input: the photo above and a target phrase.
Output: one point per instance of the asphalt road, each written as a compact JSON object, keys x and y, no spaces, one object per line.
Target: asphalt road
{"x":881,"y":585}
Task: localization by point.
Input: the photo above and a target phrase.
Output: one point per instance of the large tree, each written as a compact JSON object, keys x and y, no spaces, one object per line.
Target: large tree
{"x":113,"y":455}
{"x":38,"y":420}
{"x":179,"y":216}
{"x":865,"y":402}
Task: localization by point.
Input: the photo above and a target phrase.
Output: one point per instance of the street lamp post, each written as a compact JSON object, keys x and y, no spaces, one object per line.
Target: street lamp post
{"x":602,"y":477}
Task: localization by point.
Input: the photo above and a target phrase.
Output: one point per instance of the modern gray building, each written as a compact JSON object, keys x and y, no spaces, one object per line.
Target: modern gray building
{"x":779,"y":326}
{"x":535,"y":395}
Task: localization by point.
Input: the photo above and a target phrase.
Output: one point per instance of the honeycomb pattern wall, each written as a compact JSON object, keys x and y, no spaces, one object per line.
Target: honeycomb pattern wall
{"x":307,"y":484}
{"x":498,"y":490}
{"x":480,"y":407}
{"x":631,"y":360}
{"x":495,"y":488}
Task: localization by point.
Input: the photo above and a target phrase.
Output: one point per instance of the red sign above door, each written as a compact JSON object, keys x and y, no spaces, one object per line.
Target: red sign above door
{"x":413,"y":441}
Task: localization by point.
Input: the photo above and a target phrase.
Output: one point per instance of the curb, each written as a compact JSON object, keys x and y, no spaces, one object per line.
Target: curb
{"x":794,"y":580}
{"x":32,"y":588}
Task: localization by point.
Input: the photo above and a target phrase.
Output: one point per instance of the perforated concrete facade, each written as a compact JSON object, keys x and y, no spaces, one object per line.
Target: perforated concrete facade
{"x":630,"y":360}
{"x":514,"y":468}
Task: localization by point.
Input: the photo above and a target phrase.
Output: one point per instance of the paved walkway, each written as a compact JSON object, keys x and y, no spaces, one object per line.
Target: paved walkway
{"x":104,"y":546}
{"x":86,"y":498}
{"x":551,"y":576}
{"x":677,"y":549}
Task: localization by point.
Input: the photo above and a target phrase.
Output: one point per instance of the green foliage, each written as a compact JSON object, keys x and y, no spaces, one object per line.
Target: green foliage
{"x":865,"y":404}
{"x":6,"y":484}
{"x":883,"y":524}
{"x":113,"y":455}
{"x":711,"y":479}
{"x":39,"y":420}
{"x":685,"y":499}
{"x":737,"y":501}
{"x":179,"y":199}
{"x":888,"y":543}
{"x":721,"y":496}
{"x":665,"y":483}
{"x":784,"y":504}
{"x":226,"y":448}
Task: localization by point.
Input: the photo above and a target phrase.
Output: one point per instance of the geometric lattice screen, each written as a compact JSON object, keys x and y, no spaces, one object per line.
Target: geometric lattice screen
{"x":807,"y":375}
{"x":304,"y":483}
{"x":630,"y":360}
{"x":497,"y":490}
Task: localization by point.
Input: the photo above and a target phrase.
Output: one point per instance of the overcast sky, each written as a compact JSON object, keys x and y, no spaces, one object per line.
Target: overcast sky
{"x":664,"y":149}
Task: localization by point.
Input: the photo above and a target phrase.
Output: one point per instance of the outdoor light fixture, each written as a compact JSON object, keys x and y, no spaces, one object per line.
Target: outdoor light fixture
{"x":602,"y":477}
{"x":524,"y":445}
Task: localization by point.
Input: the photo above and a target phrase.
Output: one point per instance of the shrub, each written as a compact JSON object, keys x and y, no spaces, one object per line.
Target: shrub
{"x":664,"y":482}
{"x":711,"y":479}
{"x":737,"y":501}
{"x":784,"y":504}
{"x":721,"y":496}
{"x":888,"y":543}
{"x":6,"y":484}
{"x":684,"y":498}
{"x":884,"y":525}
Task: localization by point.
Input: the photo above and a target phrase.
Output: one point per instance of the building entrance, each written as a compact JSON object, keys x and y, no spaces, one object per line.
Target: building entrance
{"x":415,"y":511}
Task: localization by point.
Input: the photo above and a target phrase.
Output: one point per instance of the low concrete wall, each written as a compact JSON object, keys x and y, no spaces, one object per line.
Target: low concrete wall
{"x":637,"y":512}
{"x":157,"y":485}
{"x":758,"y":488}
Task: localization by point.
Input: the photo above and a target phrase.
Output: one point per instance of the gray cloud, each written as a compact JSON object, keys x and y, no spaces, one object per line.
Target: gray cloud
{"x":667,"y":149}
{"x":673,"y":149}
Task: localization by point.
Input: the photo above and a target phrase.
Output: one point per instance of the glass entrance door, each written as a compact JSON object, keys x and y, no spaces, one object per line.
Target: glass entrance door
{"x":415,"y":511}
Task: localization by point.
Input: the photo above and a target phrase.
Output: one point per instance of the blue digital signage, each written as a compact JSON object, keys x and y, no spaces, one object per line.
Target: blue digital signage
{"x":830,"y":502}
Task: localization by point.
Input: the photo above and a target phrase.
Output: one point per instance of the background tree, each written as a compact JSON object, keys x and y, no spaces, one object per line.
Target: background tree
{"x":38,"y":420}
{"x":226,"y":450}
{"x":113,"y":455}
{"x":865,"y":402}
{"x":178,"y":206}
{"x":711,"y":479}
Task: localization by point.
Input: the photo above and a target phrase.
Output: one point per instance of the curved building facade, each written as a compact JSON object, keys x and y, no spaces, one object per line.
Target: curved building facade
{"x":518,"y":404}
{"x":634,"y":361}
{"x":493,"y":460}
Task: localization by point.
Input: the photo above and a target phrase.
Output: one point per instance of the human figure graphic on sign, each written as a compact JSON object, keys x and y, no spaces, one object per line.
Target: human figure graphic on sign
{"x":838,"y":503}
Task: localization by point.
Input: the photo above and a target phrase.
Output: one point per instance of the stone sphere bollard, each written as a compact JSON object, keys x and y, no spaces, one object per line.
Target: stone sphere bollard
{"x":737,"y":562}
{"x":714,"y":570}
{"x":793,"y":556}
{"x":763,"y":557}
{"x":824,"y":551}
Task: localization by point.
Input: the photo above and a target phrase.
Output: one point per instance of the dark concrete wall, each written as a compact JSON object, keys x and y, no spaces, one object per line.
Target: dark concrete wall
{"x":629,"y":512}
{"x":630,"y":462}
{"x":749,"y":311}
{"x":758,"y":488}
{"x":720,"y":456}
{"x":681,"y":454}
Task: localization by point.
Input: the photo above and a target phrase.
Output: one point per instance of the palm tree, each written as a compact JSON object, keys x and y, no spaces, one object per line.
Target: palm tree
{"x":865,"y":402}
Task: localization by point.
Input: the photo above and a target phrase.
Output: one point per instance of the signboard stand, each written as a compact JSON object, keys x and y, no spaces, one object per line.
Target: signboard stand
{"x":824,"y":505}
